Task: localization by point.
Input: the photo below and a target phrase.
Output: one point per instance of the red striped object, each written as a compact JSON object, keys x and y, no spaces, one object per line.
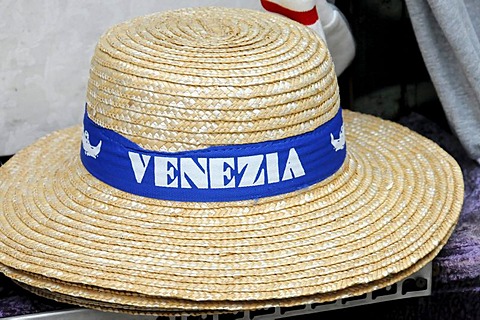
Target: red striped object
{"x":304,"y":17}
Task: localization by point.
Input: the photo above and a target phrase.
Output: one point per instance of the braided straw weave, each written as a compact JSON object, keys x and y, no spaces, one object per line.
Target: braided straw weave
{"x":193,"y":78}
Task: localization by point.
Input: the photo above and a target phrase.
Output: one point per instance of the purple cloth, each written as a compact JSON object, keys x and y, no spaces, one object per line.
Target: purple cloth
{"x":15,"y":301}
{"x":456,"y":269}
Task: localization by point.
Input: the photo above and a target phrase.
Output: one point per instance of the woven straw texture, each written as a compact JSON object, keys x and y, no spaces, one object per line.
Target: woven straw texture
{"x":193,"y":78}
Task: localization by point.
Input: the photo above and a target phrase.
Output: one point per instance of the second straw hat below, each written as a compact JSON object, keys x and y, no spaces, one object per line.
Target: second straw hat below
{"x":216,"y":171}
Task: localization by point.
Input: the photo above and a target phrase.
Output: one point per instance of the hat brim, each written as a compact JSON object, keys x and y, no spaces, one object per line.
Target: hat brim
{"x":394,"y":203}
{"x":131,"y":303}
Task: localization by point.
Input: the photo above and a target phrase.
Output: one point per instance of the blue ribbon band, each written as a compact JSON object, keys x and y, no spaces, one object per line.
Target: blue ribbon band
{"x":218,"y":173}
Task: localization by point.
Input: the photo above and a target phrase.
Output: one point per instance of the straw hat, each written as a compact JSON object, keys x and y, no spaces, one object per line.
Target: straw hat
{"x":215,"y":171}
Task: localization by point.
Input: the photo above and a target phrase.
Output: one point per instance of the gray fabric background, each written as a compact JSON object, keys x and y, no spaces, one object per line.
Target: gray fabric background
{"x":448,"y":33}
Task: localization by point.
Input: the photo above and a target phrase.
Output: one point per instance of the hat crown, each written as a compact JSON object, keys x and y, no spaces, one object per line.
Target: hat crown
{"x":200,"y":77}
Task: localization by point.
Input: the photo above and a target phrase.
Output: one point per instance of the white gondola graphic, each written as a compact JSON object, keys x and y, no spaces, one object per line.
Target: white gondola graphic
{"x":91,"y":151}
{"x":338,"y":144}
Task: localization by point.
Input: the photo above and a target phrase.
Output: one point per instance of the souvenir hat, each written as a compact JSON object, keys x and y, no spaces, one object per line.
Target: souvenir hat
{"x":215,"y":171}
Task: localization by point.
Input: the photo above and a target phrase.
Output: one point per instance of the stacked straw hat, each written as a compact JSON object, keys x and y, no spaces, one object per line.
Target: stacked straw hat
{"x":215,"y":171}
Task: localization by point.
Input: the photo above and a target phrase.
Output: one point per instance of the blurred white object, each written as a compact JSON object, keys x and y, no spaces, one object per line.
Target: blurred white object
{"x":325,"y":19}
{"x":303,"y":11}
{"x":47,"y":46}
{"x":337,"y":32}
